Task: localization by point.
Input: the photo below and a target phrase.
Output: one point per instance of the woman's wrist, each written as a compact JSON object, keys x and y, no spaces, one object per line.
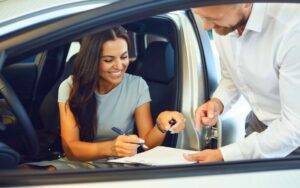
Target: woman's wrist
{"x":157,"y":125}
{"x":108,"y":149}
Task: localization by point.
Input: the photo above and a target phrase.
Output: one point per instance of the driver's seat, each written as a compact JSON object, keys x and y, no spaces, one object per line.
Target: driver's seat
{"x":50,"y":143}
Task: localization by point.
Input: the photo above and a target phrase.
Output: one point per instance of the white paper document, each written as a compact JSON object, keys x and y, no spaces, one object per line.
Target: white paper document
{"x":157,"y":156}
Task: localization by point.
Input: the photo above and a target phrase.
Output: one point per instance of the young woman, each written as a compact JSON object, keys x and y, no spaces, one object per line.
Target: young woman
{"x":98,"y":96}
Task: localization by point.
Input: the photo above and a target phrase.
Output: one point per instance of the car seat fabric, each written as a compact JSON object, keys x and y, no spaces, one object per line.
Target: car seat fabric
{"x":158,"y":70}
{"x":49,"y":114}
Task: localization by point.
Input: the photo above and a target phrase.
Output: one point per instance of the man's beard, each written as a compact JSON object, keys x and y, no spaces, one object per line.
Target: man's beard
{"x":225,"y":30}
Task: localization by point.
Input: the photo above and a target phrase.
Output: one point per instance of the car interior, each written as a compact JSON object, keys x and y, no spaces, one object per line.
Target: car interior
{"x":35,"y":78}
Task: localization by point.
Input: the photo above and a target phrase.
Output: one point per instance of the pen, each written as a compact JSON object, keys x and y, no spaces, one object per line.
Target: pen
{"x":117,"y":130}
{"x":120,"y":132}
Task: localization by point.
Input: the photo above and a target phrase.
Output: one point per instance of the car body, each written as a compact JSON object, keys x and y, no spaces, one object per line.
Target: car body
{"x":49,"y":34}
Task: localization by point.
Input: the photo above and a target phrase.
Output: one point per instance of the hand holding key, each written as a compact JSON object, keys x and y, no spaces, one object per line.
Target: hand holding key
{"x":207,"y":114}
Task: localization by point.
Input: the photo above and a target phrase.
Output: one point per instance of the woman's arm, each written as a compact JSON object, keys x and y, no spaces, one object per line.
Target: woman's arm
{"x":146,"y":130}
{"x":86,"y":151}
{"x":154,"y":135}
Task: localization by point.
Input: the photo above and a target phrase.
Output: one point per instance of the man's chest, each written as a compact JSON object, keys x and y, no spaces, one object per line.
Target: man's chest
{"x":250,"y":61}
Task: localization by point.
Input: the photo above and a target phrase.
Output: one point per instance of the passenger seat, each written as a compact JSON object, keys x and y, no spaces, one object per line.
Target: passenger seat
{"x":50,"y":142}
{"x":158,"y":70}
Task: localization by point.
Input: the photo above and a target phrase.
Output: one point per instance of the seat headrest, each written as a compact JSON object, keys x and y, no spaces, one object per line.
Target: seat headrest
{"x":158,"y":64}
{"x":132,"y":51}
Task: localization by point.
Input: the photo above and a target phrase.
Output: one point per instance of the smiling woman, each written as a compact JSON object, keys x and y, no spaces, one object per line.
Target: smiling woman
{"x":99,"y":96}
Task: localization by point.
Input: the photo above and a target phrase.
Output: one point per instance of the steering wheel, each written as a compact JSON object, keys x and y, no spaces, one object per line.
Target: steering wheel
{"x":22,"y":117}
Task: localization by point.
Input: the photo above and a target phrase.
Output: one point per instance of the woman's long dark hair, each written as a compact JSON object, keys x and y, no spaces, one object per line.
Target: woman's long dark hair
{"x":82,"y":99}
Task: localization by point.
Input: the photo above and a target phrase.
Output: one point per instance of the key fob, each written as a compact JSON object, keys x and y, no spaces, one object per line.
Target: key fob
{"x":172,"y":122}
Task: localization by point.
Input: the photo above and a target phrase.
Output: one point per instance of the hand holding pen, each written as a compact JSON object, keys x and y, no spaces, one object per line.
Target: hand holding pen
{"x":126,"y":145}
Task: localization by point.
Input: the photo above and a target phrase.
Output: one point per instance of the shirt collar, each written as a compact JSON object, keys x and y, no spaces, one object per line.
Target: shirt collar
{"x":256,"y":18}
{"x":255,"y":21}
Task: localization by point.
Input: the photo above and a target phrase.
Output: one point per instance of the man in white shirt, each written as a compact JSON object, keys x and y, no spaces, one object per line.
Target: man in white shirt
{"x":259,"y":48}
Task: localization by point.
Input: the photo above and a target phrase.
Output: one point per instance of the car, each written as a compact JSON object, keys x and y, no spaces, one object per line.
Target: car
{"x":38,"y":44}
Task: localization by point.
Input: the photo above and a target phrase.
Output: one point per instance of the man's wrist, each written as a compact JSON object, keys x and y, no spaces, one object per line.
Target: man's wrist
{"x":219,"y":155}
{"x":219,"y":104}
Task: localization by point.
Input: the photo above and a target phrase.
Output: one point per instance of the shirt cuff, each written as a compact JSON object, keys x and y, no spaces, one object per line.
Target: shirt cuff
{"x":231,"y":152}
{"x":222,"y":96}
{"x":226,"y":98}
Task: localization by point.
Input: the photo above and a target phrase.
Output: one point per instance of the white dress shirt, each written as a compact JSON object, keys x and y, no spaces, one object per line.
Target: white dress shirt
{"x":263,"y":65}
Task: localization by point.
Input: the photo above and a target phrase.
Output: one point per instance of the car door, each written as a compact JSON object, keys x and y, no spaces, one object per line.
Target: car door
{"x":200,"y":77}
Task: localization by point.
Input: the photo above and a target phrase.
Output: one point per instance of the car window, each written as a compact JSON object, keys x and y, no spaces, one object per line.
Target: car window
{"x":28,"y":60}
{"x":74,"y":48}
{"x":159,"y":55}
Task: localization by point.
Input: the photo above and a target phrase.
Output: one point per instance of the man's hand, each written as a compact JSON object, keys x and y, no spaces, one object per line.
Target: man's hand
{"x":207,"y":114}
{"x":208,"y":155}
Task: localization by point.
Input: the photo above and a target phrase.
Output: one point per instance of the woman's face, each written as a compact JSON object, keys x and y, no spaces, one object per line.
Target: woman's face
{"x":114,"y":61}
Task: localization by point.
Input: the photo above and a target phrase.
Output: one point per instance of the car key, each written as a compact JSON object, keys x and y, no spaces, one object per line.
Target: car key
{"x":172,"y":122}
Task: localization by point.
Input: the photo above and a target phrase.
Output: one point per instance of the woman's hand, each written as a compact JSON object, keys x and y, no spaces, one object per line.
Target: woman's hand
{"x":165,"y":119}
{"x":125,"y":146}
